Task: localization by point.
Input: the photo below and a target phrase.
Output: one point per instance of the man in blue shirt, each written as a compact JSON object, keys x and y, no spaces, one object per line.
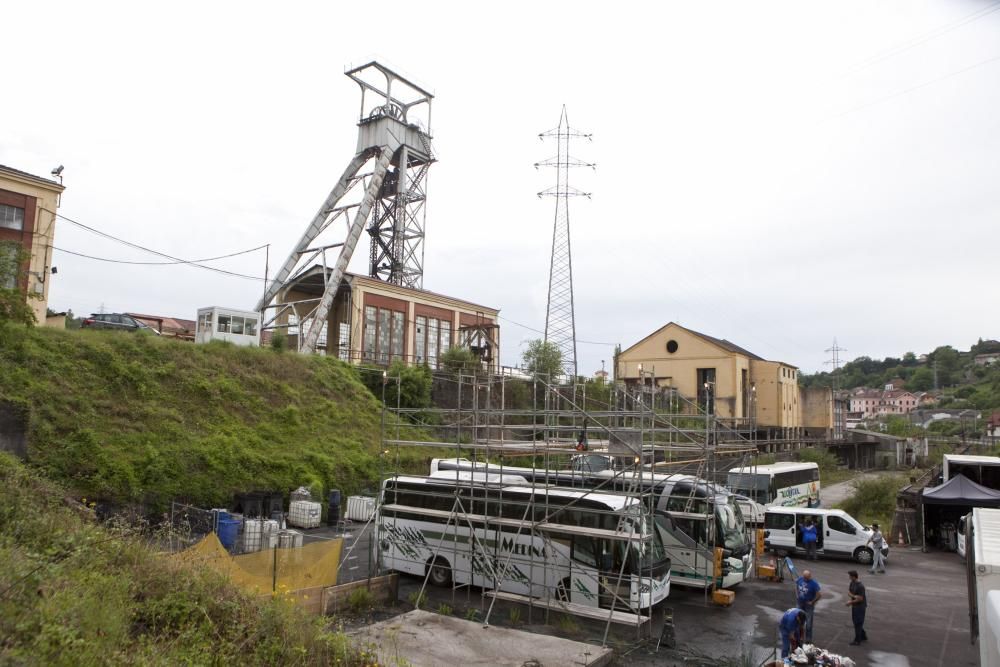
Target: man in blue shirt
{"x":791,"y":626}
{"x":808,"y":593}
{"x":809,"y":539}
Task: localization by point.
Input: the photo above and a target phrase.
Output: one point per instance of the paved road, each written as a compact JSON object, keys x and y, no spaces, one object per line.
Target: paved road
{"x":830,"y":496}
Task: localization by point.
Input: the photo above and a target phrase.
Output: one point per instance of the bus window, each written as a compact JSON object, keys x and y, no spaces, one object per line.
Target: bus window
{"x":583,"y":550}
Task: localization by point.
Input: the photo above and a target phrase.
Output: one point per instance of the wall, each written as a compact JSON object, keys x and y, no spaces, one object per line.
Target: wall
{"x":817,"y":410}
{"x":778,"y":400}
{"x":680,"y":369}
{"x":40,"y":199}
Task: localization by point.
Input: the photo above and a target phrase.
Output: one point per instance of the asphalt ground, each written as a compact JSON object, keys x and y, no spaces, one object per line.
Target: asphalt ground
{"x":917,"y":614}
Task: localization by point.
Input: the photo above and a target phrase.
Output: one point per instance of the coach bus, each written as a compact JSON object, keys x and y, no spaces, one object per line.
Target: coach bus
{"x":778,"y":484}
{"x":591,"y":549}
{"x":692,"y":516}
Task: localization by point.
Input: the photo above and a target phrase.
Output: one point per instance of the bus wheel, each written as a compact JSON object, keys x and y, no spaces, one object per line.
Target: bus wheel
{"x":562,"y":590}
{"x":440,"y":572}
{"x":864,"y":555}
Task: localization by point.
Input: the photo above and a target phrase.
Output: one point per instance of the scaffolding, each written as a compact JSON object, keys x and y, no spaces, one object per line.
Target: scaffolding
{"x":644,"y":430}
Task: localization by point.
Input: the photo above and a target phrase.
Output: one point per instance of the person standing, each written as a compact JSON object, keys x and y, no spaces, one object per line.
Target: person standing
{"x":877,"y":542}
{"x":791,"y":626}
{"x":809,"y":539}
{"x":808,"y":593}
{"x":858,"y":602}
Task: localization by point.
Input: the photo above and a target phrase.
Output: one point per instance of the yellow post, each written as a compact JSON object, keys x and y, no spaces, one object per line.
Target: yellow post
{"x":760,"y":541}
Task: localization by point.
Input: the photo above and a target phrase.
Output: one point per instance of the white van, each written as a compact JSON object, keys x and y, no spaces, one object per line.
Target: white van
{"x":838,"y":533}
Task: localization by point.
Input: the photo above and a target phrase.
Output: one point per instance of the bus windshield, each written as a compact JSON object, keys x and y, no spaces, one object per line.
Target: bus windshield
{"x":730,"y":521}
{"x":651,"y":552}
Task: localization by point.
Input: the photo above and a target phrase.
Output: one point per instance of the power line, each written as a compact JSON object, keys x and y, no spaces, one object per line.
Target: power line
{"x":923,"y":38}
{"x":917,"y":87}
{"x":122,"y":261}
{"x":154,"y":252}
{"x":539,"y":331}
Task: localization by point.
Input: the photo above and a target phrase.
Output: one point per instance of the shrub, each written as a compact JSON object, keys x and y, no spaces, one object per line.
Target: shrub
{"x":874,"y":499}
{"x":360,"y":600}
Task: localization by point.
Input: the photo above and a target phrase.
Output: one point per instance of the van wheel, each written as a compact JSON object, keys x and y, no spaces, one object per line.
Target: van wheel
{"x":440,"y":572}
{"x":864,"y":555}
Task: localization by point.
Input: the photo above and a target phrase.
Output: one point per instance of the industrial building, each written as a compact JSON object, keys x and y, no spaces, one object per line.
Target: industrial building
{"x":376,"y":322}
{"x":28,"y":206}
{"x":736,"y":385}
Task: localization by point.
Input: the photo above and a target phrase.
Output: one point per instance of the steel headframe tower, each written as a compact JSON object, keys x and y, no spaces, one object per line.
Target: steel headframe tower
{"x":560,"y":326}
{"x":390,"y":166}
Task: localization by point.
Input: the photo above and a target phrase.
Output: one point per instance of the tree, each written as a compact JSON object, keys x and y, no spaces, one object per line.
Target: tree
{"x":460,"y":358}
{"x":13,"y":305}
{"x":543,"y":358}
{"x":921,"y":380}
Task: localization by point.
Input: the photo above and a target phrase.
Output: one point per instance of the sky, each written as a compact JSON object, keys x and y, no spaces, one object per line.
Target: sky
{"x":778,"y":174}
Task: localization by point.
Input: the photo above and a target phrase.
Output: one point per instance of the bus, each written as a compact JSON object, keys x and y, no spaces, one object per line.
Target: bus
{"x":590,"y":549}
{"x":692,"y":516}
{"x":778,"y":484}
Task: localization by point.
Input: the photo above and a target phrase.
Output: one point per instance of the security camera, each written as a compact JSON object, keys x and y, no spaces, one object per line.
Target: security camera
{"x":57,"y":171}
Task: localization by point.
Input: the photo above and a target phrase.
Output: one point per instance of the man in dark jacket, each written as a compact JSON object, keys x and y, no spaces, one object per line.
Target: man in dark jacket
{"x":858,"y":602}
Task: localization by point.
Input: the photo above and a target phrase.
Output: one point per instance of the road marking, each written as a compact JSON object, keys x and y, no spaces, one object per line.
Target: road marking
{"x":883,"y":659}
{"x":944,"y":644}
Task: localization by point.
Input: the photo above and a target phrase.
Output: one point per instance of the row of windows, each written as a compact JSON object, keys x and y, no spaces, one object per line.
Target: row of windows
{"x":383,"y":335}
{"x":231,"y":324}
{"x":784,"y":521}
{"x":11,"y":217}
{"x":795,"y":477}
{"x":433,"y":338}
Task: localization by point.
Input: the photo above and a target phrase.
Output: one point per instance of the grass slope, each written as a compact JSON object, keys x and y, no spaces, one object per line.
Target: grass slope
{"x":76,"y":593}
{"x":129,"y":418}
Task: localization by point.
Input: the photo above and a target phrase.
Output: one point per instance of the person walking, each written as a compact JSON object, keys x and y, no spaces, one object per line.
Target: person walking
{"x":808,"y":593}
{"x":809,"y":539}
{"x":877,"y":542}
{"x":858,"y":602}
{"x":791,"y":626}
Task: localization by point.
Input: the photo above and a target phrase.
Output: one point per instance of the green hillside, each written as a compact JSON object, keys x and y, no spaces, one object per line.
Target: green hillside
{"x":127,"y":418}
{"x":73,"y":592}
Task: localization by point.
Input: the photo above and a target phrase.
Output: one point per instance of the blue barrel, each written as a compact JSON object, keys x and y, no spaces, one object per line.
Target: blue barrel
{"x":228,"y":531}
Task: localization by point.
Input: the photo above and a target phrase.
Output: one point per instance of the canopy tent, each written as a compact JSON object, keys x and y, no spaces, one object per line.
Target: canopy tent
{"x":959,"y":491}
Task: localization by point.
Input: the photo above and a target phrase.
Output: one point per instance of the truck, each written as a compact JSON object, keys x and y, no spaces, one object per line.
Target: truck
{"x":983,"y":576}
{"x":983,"y":470}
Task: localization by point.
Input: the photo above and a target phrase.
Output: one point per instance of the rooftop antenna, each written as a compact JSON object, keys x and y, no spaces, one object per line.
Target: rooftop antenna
{"x":560,"y":325}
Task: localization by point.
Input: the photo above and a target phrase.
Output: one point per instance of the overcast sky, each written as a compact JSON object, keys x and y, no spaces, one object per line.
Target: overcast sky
{"x":773,"y":173}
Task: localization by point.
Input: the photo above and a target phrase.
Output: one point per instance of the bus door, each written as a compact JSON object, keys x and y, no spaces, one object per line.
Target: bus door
{"x":686,"y":545}
{"x":582,"y":586}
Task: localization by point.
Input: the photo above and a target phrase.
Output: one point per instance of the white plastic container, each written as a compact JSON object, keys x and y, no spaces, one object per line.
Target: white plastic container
{"x":289,"y":539}
{"x":305,"y":514}
{"x":360,"y":508}
{"x":259,"y":534}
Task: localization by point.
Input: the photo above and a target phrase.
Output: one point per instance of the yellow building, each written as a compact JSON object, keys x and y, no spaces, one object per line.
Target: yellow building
{"x":28,"y":207}
{"x":741,"y":387}
{"x":375,"y":322}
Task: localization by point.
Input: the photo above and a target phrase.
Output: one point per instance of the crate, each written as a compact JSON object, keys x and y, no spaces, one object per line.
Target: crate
{"x":304,"y":514}
{"x":359,"y":508}
{"x":722,"y":597}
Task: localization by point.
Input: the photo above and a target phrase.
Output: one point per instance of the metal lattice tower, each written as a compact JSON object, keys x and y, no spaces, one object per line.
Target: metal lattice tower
{"x":560,"y":325}
{"x":387,"y":178}
{"x":834,"y":361}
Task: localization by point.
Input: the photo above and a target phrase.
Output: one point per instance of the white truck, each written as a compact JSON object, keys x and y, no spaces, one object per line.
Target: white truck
{"x":983,"y":561}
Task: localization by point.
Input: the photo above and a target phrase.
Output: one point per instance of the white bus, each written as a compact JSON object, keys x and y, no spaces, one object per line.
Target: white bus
{"x":778,"y":484}
{"x":692,"y":516}
{"x":588,"y":549}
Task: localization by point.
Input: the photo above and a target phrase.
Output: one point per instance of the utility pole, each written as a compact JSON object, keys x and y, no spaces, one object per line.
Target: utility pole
{"x":834,"y":361}
{"x":560,"y":325}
